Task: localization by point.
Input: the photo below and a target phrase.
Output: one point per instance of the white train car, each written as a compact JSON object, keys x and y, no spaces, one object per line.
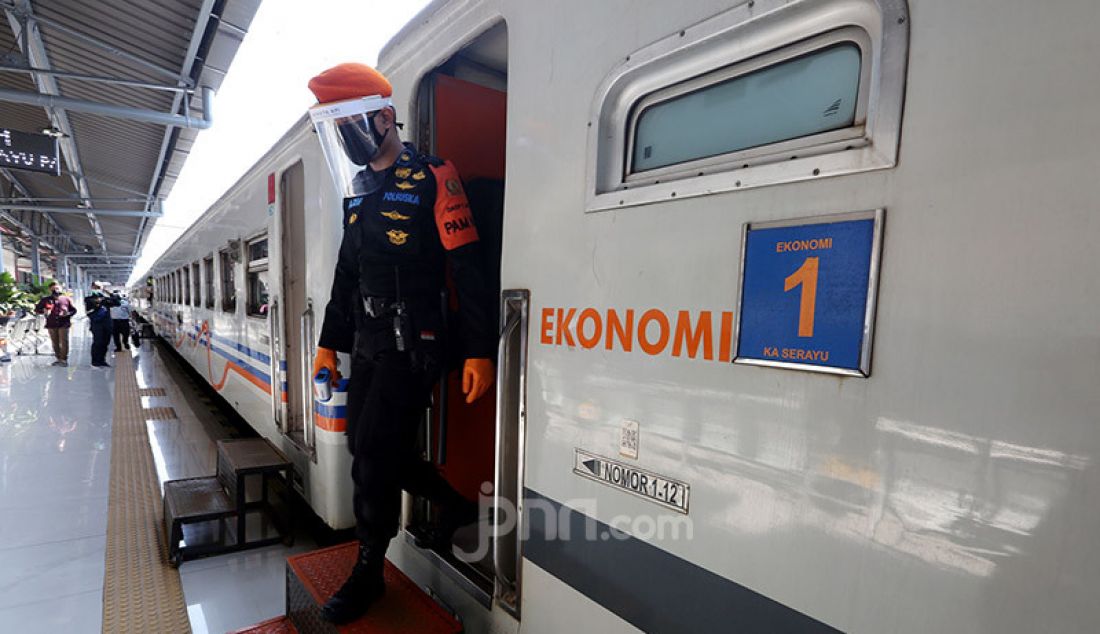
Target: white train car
{"x":798,"y":312}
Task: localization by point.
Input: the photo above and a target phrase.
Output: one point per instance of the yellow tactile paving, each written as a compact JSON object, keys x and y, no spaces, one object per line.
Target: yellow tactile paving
{"x":141,"y":593}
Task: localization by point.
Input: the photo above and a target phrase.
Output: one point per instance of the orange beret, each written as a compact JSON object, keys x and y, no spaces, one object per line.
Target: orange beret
{"x":349,"y":81}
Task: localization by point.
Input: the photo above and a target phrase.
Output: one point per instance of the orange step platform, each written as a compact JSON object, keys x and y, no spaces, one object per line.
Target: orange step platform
{"x":277,"y":625}
{"x":311,"y":578}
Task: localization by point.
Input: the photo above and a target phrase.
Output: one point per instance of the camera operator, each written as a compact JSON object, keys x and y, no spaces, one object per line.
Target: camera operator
{"x":97,"y":307}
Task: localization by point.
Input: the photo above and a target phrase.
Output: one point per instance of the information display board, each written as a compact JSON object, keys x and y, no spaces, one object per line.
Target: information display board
{"x":26,"y":151}
{"x":808,"y":289}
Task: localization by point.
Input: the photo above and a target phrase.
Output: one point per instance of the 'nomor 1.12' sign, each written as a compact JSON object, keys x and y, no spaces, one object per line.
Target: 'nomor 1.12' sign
{"x":808,"y":290}
{"x":26,"y":151}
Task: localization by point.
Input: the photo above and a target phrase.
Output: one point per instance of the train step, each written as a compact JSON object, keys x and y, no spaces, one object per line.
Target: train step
{"x":312,"y":578}
{"x":223,"y":498}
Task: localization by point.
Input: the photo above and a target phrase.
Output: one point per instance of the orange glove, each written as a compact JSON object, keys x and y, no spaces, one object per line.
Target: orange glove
{"x":326,"y":358}
{"x":477,"y":378}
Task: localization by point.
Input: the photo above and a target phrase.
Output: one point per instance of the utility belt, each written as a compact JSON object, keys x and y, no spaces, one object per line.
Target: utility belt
{"x":383,"y":307}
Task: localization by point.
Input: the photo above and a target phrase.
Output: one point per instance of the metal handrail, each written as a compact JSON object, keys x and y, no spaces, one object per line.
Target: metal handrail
{"x":273,"y":359}
{"x":307,"y":352}
{"x":510,"y":436}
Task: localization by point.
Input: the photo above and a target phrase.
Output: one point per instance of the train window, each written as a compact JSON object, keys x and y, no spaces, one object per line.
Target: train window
{"x":228,"y":262}
{"x":196,"y":284}
{"x":799,"y":97}
{"x":739,"y":101}
{"x":186,"y":284}
{"x":208,"y":281}
{"x":258,"y":292}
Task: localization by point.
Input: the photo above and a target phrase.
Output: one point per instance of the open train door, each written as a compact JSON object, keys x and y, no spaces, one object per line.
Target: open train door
{"x":462,"y":108}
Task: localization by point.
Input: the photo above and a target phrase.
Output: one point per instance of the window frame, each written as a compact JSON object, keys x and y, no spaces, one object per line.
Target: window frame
{"x":738,"y":41}
{"x":260,"y":265}
{"x":778,"y":150}
{"x":226,"y":263}
{"x":196,"y":284}
{"x":208,"y":281}
{"x":185,"y":283}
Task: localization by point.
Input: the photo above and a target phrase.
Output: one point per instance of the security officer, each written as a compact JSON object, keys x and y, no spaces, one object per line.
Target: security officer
{"x":406,"y":219}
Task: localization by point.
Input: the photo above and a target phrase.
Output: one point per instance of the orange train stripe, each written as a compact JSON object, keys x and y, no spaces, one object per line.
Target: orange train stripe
{"x":330,"y":424}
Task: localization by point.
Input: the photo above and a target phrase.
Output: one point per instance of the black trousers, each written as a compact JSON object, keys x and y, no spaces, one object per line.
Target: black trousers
{"x":387,"y":396}
{"x":101,"y":336}
{"x":121,"y":331}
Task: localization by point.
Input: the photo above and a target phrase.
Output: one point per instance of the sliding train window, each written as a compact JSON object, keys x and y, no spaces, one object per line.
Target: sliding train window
{"x":196,"y":284}
{"x":779,"y":93}
{"x":227,"y":261}
{"x":258,"y":287}
{"x":721,"y":115}
{"x":208,"y":280}
{"x":186,"y":271}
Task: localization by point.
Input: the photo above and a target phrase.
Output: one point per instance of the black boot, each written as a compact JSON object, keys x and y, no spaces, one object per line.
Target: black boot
{"x":364,"y":586}
{"x":457,"y":513}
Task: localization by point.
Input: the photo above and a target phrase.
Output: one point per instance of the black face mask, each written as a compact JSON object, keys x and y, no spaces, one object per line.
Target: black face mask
{"x":360,"y":139}
{"x":55,"y":293}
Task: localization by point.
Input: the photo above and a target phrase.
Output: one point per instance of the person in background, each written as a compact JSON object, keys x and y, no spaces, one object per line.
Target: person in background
{"x":59,"y":311}
{"x":97,"y":307}
{"x":120,"y":320}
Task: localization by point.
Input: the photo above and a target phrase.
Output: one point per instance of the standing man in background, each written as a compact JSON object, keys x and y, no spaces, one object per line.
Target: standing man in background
{"x":120,"y":320}
{"x":97,"y":308}
{"x":59,"y":311}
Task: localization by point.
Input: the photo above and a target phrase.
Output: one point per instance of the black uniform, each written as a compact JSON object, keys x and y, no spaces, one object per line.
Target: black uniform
{"x":386,"y":310}
{"x":97,"y":307}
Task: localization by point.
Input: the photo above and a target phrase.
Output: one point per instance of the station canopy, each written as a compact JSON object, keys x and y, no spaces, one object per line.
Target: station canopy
{"x":124,"y":86}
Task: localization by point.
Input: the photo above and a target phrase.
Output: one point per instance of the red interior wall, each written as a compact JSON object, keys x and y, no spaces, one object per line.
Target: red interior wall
{"x":470,"y":127}
{"x":470,"y":131}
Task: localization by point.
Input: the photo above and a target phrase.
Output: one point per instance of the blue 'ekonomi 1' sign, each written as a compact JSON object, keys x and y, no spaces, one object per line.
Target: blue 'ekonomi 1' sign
{"x":808,"y":291}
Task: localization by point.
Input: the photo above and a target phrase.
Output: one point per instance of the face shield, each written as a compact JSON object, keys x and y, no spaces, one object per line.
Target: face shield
{"x":349,"y":141}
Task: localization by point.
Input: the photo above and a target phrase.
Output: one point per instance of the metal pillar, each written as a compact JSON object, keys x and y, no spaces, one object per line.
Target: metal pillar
{"x":1,"y":252}
{"x":36,"y":261}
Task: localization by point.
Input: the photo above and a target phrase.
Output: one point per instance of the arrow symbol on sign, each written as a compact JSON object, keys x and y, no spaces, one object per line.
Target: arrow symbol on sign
{"x":593,"y":466}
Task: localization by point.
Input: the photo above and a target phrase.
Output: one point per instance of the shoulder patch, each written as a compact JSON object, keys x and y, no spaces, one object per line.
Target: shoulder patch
{"x":453,"y":219}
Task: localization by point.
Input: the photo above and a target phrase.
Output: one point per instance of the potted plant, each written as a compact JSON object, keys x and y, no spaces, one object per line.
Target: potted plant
{"x":12,"y":299}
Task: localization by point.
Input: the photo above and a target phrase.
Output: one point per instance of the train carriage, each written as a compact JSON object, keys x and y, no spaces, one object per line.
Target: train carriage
{"x":797,"y":313}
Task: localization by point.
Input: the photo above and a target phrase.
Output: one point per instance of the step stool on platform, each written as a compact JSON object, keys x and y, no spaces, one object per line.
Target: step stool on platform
{"x":312,"y":578}
{"x":223,"y":497}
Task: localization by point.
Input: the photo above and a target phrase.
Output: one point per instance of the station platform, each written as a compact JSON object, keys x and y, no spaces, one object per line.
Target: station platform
{"x":84,"y":456}
{"x":64,"y":438}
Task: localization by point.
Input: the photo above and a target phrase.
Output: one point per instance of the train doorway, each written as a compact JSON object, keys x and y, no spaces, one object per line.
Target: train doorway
{"x":295,"y":310}
{"x":461,"y":116}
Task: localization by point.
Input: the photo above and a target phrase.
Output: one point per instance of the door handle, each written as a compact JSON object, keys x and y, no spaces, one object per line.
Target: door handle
{"x":273,"y":362}
{"x":306,"y":368}
{"x":510,"y":444}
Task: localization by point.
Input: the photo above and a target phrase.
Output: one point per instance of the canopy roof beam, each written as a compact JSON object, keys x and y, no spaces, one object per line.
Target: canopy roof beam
{"x":119,"y":81}
{"x":133,"y":213}
{"x":22,"y":9}
{"x":23,"y":23}
{"x":187,"y":77}
{"x":18,"y":186}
